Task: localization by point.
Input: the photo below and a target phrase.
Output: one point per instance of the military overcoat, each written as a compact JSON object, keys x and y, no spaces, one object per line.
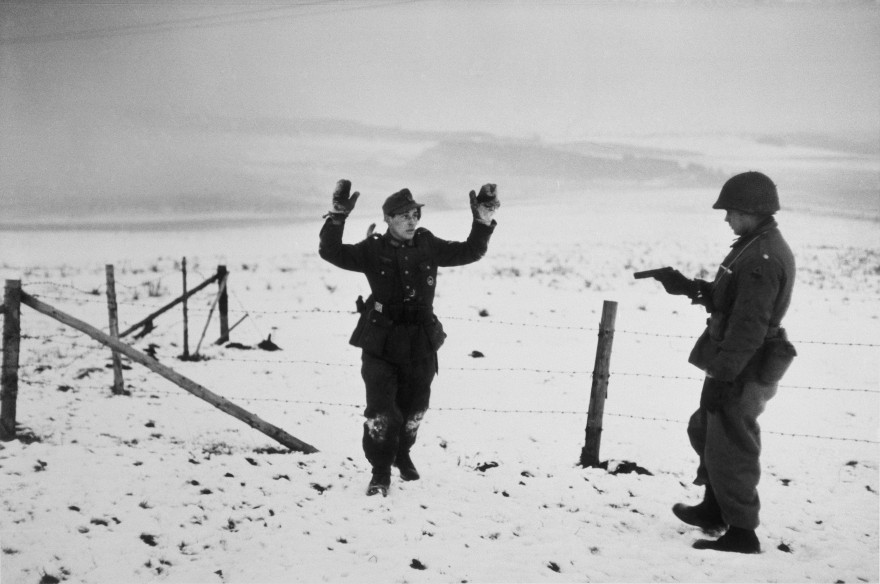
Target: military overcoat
{"x":748,"y":300}
{"x":397,"y":321}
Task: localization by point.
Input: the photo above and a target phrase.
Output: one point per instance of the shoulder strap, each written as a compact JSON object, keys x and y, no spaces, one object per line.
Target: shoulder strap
{"x":745,"y":247}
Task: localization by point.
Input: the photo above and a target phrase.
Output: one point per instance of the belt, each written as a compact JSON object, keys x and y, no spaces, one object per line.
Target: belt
{"x":405,"y":313}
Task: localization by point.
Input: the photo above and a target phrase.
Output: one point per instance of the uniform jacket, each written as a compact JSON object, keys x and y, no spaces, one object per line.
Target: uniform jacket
{"x":397,"y":322}
{"x":747,"y":301}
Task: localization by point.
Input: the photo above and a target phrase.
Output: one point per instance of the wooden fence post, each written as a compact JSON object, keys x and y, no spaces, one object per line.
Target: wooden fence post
{"x":192,"y":387}
{"x":599,"y":389}
{"x":185,"y":314}
{"x":223,"y":307}
{"x":118,"y":384}
{"x":9,"y":374}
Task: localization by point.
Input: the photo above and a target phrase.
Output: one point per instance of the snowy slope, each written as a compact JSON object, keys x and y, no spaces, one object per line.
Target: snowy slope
{"x":160,"y":486}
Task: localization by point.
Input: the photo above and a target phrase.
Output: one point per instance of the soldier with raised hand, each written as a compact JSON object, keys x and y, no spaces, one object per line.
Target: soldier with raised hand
{"x":744,"y":352}
{"x":397,"y":331}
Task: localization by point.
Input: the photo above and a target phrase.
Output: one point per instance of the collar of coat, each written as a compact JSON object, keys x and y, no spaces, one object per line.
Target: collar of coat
{"x":763,"y":227}
{"x":390,"y":239}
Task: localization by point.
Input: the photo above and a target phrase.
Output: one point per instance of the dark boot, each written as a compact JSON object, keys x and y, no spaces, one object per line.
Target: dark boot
{"x":742,"y":541}
{"x":406,"y":467}
{"x":706,"y":515}
{"x":380,"y":482}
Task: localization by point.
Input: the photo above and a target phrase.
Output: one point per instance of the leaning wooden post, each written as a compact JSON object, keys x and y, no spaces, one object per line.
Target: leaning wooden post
{"x":11,"y":342}
{"x":210,"y":314}
{"x":185,"y":314}
{"x":148,"y":321}
{"x":599,"y":389}
{"x":223,"y":307}
{"x":118,"y":384}
{"x":192,"y":387}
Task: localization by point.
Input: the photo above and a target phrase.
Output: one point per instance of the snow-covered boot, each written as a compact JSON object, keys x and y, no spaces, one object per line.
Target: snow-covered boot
{"x":380,"y":482}
{"x":737,"y":539}
{"x":405,"y":465}
{"x":706,"y":515}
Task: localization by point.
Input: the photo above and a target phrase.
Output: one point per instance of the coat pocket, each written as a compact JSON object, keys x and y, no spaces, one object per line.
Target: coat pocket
{"x":704,"y":351}
{"x":436,"y":334}
{"x":777,"y":355}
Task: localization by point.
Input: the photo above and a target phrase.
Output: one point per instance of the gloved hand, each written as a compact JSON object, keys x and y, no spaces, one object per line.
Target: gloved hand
{"x":483,"y":206}
{"x":716,"y":393}
{"x":674,"y":282}
{"x":703,"y":294}
{"x":343,"y":201}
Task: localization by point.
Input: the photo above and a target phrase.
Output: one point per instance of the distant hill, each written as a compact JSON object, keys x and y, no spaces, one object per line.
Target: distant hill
{"x":152,"y":164}
{"x":497,"y":157}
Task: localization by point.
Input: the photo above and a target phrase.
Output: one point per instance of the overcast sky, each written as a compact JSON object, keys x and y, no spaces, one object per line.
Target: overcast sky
{"x":549,"y":69}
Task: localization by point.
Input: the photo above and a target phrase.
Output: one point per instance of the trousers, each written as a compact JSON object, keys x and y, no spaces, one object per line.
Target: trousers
{"x":398,"y":396}
{"x":728,"y":443}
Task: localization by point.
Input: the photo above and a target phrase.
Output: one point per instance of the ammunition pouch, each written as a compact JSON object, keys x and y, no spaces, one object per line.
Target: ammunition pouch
{"x":767,"y":366}
{"x":371,"y":332}
{"x":377,"y":323}
{"x":777,"y":355}
{"x":436,"y":334}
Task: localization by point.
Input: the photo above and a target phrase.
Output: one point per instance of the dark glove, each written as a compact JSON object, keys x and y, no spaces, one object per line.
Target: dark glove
{"x":703,"y":294}
{"x":716,"y":393}
{"x":343,"y":201}
{"x":483,"y":206}
{"x":675,"y":283}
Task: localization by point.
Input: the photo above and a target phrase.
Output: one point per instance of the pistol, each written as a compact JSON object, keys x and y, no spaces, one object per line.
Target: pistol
{"x":653,"y":273}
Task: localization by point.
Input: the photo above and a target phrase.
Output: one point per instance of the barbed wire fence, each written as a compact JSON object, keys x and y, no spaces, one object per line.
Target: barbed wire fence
{"x":86,"y":295}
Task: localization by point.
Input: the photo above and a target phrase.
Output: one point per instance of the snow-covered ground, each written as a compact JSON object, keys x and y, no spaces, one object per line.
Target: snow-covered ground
{"x":161,"y":486}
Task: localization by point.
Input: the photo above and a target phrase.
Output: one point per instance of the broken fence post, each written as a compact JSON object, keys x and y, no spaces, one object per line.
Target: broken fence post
{"x":9,"y":374}
{"x":599,"y":389}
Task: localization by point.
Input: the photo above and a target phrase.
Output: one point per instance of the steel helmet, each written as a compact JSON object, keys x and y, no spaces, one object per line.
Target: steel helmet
{"x":750,"y":192}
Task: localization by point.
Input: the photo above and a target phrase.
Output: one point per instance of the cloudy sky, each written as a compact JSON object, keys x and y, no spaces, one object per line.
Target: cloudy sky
{"x":548,"y":68}
{"x":552,"y":69}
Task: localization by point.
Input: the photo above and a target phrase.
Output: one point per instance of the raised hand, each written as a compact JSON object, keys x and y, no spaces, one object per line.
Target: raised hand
{"x":483,"y":206}
{"x":343,"y":199}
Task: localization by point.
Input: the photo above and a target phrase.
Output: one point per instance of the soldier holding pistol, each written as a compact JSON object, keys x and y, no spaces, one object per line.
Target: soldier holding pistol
{"x":397,"y":331}
{"x":744,"y":352}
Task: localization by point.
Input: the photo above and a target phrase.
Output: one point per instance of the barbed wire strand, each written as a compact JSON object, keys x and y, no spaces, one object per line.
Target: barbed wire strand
{"x":483,"y":320}
{"x":500,"y":411}
{"x":528,"y":370}
{"x":95,"y":292}
{"x":516,"y":369}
